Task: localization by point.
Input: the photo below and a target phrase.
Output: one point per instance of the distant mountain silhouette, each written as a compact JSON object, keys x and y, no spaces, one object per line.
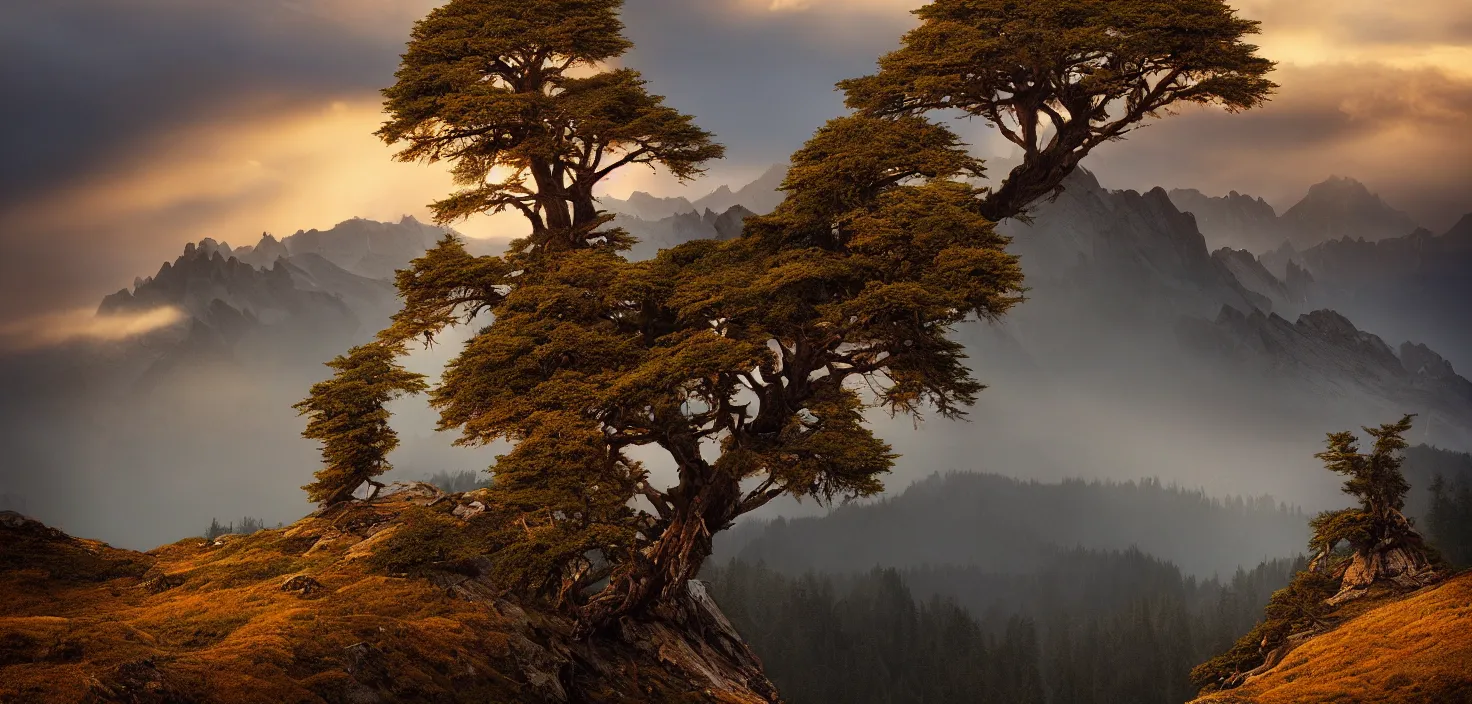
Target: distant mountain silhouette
{"x":1325,"y":353}
{"x":1125,"y":252}
{"x":760,"y":197}
{"x":1343,"y":208}
{"x":1334,"y":209}
{"x":1412,"y":286}
{"x":364,"y":247}
{"x":678,"y":229}
{"x":1236,"y":220}
{"x":303,"y":297}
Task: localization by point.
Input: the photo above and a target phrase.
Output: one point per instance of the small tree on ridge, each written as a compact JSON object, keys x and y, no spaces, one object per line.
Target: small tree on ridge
{"x":348,"y":416}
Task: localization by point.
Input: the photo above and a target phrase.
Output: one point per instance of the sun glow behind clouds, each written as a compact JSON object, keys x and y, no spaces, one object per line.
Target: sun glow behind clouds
{"x":868,"y":6}
{"x":52,"y":329}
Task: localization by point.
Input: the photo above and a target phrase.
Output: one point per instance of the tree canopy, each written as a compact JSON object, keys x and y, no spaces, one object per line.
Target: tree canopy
{"x":1059,"y":78}
{"x":348,"y":416}
{"x":516,"y":95}
{"x":749,"y":362}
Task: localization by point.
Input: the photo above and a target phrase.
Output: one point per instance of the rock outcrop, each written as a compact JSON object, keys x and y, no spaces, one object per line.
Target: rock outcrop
{"x":310,"y":613}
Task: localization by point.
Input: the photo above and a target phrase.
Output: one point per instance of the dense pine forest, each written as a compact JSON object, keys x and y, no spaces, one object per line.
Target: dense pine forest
{"x":1095,"y":627}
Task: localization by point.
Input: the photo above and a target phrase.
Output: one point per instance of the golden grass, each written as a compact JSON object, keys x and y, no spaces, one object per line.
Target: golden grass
{"x":1416,"y":650}
{"x":77,"y":623}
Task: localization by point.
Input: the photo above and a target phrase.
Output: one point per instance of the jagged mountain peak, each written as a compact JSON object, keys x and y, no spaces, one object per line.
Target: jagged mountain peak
{"x":1344,"y":208}
{"x":1136,"y":250}
{"x":759,"y":196}
{"x":1235,"y":220}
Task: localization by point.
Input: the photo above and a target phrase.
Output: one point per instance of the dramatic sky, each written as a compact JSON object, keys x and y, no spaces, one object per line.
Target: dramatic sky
{"x":132,"y":126}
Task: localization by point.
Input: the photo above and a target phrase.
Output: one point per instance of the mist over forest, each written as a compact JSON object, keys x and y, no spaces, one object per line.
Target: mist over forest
{"x":142,"y":441}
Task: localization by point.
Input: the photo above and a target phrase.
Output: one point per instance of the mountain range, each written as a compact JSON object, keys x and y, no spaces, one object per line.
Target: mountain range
{"x":1174,"y":331}
{"x":760,"y":196}
{"x":1335,"y":209}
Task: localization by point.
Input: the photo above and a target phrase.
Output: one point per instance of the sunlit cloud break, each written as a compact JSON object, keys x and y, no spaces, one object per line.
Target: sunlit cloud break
{"x":84,"y":325}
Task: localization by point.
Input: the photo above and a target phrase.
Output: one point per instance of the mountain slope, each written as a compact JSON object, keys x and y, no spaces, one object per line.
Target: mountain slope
{"x":1122,"y":251}
{"x":1325,"y":354}
{"x":331,"y":609}
{"x":1235,"y":220}
{"x":1411,"y":286}
{"x":1343,"y":208}
{"x":1417,"y":649}
{"x":364,"y":247}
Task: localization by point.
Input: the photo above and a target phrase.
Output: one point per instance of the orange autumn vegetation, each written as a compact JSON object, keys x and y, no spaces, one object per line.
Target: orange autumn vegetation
{"x":197,"y":621}
{"x":1413,"y":650}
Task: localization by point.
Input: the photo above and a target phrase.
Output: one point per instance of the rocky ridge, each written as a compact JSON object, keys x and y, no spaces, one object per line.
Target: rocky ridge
{"x":1326,"y":353}
{"x":1342,"y":208}
{"x":1235,"y":220}
{"x":1337,"y":208}
{"x":760,"y":196}
{"x":1127,"y":250}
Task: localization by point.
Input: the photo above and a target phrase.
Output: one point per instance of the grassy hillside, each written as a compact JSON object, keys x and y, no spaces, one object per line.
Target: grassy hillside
{"x":1416,"y":650}
{"x":319,"y":612}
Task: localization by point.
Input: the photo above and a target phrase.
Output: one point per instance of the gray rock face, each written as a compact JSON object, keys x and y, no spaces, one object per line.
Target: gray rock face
{"x":1127,"y":250}
{"x":1235,"y":220}
{"x":679,"y":229}
{"x":1253,"y":275}
{"x":1326,"y":353}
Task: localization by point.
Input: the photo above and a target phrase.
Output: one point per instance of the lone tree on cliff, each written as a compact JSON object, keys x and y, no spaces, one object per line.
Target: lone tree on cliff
{"x":1383,"y":547}
{"x":742,"y":360}
{"x":348,"y":416}
{"x":1383,"y":544}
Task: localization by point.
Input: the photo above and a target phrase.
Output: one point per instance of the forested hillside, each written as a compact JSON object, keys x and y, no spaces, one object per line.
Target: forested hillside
{"x":1094,"y":627}
{"x":1006,"y":525}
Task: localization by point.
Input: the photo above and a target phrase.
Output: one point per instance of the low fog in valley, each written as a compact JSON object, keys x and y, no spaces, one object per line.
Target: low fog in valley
{"x":1109,"y":371}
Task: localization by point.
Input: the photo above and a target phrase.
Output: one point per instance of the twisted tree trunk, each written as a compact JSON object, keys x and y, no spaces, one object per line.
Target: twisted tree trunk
{"x":1398,"y":557}
{"x":676,"y":556}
